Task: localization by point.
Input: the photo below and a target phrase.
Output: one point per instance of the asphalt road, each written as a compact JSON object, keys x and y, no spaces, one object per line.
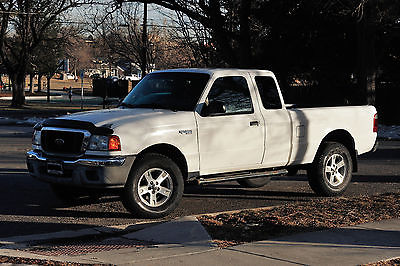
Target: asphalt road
{"x":29,"y":207}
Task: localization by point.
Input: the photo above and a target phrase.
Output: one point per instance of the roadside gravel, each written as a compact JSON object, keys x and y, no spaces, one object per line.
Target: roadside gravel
{"x":25,"y":261}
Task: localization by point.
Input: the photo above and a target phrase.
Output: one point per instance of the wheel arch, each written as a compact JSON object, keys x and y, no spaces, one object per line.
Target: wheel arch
{"x":169,"y":151}
{"x":345,"y":138}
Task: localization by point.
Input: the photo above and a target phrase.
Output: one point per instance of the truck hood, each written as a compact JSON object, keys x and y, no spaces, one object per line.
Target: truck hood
{"x":114,"y":118}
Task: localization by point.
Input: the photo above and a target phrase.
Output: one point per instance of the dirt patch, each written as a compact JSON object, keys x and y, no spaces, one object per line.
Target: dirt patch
{"x":253,"y":225}
{"x":385,"y":262}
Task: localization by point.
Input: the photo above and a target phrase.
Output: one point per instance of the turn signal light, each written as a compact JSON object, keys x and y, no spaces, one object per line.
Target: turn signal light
{"x":114,"y":144}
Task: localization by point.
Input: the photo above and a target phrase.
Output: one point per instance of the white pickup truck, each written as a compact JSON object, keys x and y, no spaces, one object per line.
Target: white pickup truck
{"x":202,"y":125}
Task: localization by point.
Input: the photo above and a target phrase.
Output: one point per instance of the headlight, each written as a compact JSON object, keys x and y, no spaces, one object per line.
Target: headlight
{"x":36,"y":137}
{"x":104,"y":143}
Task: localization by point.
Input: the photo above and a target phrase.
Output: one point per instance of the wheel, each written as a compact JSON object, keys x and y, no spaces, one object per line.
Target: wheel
{"x":330,"y":173}
{"x":66,"y":193}
{"x":154,"y":187}
{"x":254,"y":182}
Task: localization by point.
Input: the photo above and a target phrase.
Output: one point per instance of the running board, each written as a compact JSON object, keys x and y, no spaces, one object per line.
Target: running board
{"x":236,"y":176}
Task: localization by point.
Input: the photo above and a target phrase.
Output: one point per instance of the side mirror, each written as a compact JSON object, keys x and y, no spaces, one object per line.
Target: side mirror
{"x":213,"y":108}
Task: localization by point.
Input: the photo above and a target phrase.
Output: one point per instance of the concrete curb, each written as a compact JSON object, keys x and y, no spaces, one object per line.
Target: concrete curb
{"x":185,"y":231}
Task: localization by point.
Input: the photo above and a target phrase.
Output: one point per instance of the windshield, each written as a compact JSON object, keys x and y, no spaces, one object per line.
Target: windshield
{"x":178,"y":91}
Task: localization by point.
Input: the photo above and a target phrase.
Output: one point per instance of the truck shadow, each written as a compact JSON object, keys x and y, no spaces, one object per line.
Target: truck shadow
{"x":20,"y":194}
{"x":237,"y":192}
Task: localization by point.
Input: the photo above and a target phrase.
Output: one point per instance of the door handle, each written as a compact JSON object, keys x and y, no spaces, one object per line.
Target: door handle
{"x":254,"y":123}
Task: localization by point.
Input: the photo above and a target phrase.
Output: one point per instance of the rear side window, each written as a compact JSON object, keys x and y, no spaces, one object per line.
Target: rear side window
{"x":268,"y":92}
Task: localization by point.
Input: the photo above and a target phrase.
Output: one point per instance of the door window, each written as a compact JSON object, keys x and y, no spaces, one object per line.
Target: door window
{"x":233,"y":92}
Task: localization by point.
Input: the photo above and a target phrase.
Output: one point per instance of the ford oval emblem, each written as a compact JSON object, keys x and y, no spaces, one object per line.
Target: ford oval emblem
{"x":59,"y":142}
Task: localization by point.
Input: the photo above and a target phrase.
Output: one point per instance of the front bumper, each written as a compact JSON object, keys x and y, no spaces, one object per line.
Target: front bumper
{"x":83,"y":172}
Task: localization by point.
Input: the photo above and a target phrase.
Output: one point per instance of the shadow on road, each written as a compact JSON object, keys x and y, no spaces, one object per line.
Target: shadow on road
{"x":376,"y":178}
{"x":20,"y":194}
{"x":359,"y":237}
{"x":236,"y":192}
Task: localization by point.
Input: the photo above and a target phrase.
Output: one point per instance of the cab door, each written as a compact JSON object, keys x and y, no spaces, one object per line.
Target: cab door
{"x":230,"y":127}
{"x":278,"y":125}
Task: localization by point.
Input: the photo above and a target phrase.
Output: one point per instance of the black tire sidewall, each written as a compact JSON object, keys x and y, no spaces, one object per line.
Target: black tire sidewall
{"x":131,"y":198}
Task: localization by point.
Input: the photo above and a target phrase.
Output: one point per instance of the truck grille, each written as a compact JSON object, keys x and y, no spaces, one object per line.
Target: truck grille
{"x":63,"y":141}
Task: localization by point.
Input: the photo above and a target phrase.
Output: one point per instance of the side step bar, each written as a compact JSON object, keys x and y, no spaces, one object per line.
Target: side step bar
{"x":236,"y":176}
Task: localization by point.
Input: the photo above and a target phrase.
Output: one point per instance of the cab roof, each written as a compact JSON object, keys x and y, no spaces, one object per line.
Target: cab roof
{"x":220,"y":71}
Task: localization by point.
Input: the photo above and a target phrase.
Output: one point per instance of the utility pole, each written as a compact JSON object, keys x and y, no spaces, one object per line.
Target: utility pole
{"x":82,"y":73}
{"x":143,"y":65}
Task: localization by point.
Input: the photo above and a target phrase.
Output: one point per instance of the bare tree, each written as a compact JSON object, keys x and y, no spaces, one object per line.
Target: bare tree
{"x":119,"y":33}
{"x":234,"y":36}
{"x":227,"y":22}
{"x":193,"y":37}
{"x":79,"y":51}
{"x":23,"y":27}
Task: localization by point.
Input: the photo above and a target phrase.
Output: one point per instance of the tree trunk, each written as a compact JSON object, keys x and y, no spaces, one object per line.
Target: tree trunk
{"x":39,"y":86}
{"x":366,"y":57}
{"x":18,"y":89}
{"x":244,"y":41}
{"x":31,"y":83}
{"x":223,"y":40}
{"x":48,"y":88}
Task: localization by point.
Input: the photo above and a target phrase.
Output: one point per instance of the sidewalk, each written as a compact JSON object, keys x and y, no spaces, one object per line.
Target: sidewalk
{"x":184,"y":241}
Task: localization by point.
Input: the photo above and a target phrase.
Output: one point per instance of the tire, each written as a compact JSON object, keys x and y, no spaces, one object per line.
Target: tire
{"x":154,"y":187}
{"x":254,"y":182}
{"x":330,"y":173}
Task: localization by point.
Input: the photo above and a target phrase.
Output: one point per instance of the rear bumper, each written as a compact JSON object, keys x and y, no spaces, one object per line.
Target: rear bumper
{"x":95,"y":172}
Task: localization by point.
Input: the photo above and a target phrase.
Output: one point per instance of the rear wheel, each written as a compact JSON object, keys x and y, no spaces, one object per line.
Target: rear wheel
{"x":331,"y":171}
{"x":154,"y":187}
{"x":254,"y":182}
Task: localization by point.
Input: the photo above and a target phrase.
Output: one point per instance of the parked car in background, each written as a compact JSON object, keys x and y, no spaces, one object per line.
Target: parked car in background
{"x":70,"y":76}
{"x":131,"y":77}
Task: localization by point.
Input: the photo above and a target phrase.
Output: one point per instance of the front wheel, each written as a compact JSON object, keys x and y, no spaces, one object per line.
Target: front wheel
{"x":154,"y":187}
{"x":330,"y":173}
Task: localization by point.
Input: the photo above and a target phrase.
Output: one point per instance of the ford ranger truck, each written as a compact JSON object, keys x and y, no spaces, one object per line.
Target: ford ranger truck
{"x":201,"y":125}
